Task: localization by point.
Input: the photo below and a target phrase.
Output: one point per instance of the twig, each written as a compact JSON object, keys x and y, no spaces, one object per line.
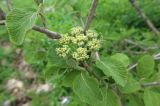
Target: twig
{"x":50,"y":34}
{"x":97,"y":56}
{"x":2,"y":14}
{"x":145,"y":18}
{"x":151,"y":84}
{"x":43,"y":19}
{"x":132,"y":67}
{"x":9,"y":4}
{"x":89,"y":69}
{"x":2,"y":22}
{"x":41,"y":13}
{"x":91,"y":15}
{"x":89,"y":21}
{"x":156,"y":57}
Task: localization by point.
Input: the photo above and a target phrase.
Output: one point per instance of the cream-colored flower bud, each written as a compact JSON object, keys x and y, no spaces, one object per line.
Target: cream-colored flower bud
{"x":80,"y":39}
{"x":92,"y":34}
{"x":80,"y":54}
{"x":63,"y":51}
{"x":76,"y":30}
{"x":65,"y":40}
{"x":94,"y":44}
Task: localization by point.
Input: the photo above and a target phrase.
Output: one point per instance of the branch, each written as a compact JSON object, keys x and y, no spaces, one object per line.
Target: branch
{"x":91,"y":15}
{"x":2,"y":14}
{"x":151,"y":84}
{"x":145,"y":18}
{"x":156,"y":57}
{"x":41,"y":13}
{"x":9,"y":4}
{"x":50,"y":34}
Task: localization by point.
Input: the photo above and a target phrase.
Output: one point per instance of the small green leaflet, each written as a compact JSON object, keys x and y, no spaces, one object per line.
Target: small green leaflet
{"x":145,"y":66}
{"x":87,"y":89}
{"x":113,"y":68}
{"x":18,"y":22}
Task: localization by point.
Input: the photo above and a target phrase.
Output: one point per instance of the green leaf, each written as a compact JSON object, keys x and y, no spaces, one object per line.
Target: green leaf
{"x":87,"y":89}
{"x":53,"y":74}
{"x":145,"y":66}
{"x":54,"y":59}
{"x":131,"y":86}
{"x":113,"y":68}
{"x":69,"y":78}
{"x":151,"y":98}
{"x":155,"y":77}
{"x":110,"y":98}
{"x":133,"y":100}
{"x":18,"y":22}
{"x":73,"y":64}
{"x":34,"y":53}
{"x":121,"y":58}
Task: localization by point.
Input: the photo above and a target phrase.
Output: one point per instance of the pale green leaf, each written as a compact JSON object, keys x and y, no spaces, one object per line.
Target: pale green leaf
{"x":54,"y":59}
{"x":133,"y":100}
{"x":151,"y":98}
{"x":131,"y":86}
{"x":155,"y":77}
{"x":113,"y":68}
{"x":87,"y":89}
{"x":122,"y":58}
{"x":18,"y":22}
{"x":145,"y":66}
{"x":69,"y":78}
{"x":110,"y":98}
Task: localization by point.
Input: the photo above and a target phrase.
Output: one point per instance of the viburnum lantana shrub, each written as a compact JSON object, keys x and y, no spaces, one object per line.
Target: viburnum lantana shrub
{"x":75,"y":57}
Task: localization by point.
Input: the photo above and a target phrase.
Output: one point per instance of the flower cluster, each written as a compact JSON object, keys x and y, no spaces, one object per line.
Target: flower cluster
{"x":83,"y":44}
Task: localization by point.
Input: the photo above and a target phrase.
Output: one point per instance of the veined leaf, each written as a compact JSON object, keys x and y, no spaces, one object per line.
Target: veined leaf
{"x":133,"y":100}
{"x":54,"y":59}
{"x":110,"y":98}
{"x":122,"y":58}
{"x":151,"y":98}
{"x":145,"y":66}
{"x":115,"y":69}
{"x":69,"y":78}
{"x":19,"y":21}
{"x":87,"y":89}
{"x":131,"y":86}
